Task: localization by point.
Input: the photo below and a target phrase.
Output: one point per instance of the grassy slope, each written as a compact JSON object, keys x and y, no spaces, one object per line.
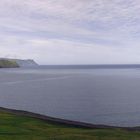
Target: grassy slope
{"x":13,"y":127}
{"x":8,"y":64}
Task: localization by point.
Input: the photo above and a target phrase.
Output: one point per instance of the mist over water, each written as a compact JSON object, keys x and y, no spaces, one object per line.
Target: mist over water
{"x":94,"y":95}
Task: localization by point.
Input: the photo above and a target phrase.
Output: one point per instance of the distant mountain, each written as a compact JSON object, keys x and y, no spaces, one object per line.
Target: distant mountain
{"x":6,"y":62}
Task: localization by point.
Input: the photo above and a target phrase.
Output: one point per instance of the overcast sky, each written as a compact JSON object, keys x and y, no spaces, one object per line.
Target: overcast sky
{"x":71,"y":31}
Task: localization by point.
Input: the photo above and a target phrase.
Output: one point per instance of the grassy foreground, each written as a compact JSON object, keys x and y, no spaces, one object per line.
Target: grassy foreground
{"x":15,"y":127}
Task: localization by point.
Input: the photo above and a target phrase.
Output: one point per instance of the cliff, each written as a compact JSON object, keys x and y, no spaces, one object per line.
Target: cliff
{"x":12,"y":63}
{"x":8,"y":63}
{"x":26,"y":63}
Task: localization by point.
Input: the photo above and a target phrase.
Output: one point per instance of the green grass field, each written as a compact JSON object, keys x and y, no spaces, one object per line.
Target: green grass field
{"x":14,"y":127}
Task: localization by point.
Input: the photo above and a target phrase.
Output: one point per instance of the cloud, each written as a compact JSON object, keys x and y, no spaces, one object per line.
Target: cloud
{"x":83,"y":31}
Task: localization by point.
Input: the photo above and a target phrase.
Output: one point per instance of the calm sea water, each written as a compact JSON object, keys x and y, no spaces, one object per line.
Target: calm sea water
{"x":98,"y":96}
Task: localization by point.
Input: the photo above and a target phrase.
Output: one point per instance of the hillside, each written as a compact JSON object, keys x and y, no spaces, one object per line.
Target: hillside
{"x":17,"y":127}
{"x":26,"y":63}
{"x":8,"y":63}
{"x":11,"y":63}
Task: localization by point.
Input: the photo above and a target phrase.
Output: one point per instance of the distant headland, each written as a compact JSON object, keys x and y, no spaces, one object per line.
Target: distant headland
{"x":15,"y":63}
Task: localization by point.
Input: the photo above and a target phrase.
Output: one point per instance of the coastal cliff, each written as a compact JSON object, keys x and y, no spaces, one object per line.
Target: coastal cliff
{"x":26,"y":63}
{"x":8,"y":64}
{"x":14,"y":63}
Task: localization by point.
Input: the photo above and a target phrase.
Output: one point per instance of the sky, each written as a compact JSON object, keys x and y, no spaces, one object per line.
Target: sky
{"x":71,"y":31}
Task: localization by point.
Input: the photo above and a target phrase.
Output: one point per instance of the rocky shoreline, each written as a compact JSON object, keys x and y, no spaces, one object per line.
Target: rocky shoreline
{"x":63,"y":121}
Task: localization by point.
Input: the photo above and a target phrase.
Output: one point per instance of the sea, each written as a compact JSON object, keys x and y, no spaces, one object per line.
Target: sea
{"x":97,"y":94}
